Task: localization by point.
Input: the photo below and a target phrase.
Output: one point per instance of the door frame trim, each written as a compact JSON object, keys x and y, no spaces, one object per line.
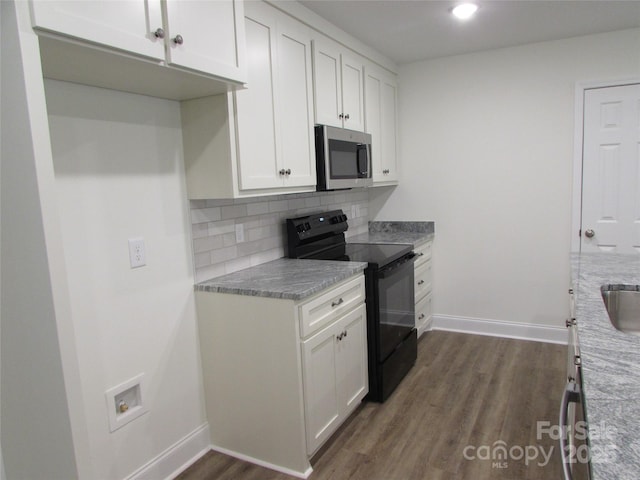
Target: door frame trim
{"x":578,"y":137}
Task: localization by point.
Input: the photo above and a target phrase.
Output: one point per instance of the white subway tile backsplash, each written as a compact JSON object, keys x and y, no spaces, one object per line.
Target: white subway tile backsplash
{"x":200,"y":230}
{"x":237,"y":264}
{"x":203,"y":215}
{"x":279,"y":206}
{"x":207,"y":244}
{"x":216,"y":251}
{"x":211,"y":271}
{"x":202,"y":259}
{"x":312,"y":201}
{"x":258,"y":208}
{"x":229,"y":239}
{"x":233,"y":211}
{"x":225,"y":254}
{"x":221,"y":227}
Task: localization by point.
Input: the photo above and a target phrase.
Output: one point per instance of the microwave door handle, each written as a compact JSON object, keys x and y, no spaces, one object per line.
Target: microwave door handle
{"x":363,"y":158}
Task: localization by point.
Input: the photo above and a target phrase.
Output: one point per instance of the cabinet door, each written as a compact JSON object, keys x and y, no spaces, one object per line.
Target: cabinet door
{"x":321,"y":383}
{"x":422,"y":279}
{"x":327,"y":83}
{"x":352,"y":93}
{"x":353,"y":377}
{"x":295,"y":104}
{"x":125,"y":25}
{"x":212,"y":37}
{"x":380,"y":116}
{"x":373,"y":120}
{"x":388,"y":132}
{"x":423,"y":314}
{"x":255,"y":107}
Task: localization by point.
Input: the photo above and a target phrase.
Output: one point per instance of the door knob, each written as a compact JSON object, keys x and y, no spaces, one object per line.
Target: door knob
{"x":589,"y":233}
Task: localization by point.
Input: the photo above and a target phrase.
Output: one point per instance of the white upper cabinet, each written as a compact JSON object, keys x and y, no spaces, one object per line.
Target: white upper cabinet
{"x":381,"y":122}
{"x":201,"y":38}
{"x":126,"y":25}
{"x":275,"y":113}
{"x":295,"y":104}
{"x":338,"y":86}
{"x":264,"y":142}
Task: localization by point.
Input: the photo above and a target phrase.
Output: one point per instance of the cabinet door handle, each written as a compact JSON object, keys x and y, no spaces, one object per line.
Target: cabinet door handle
{"x":339,"y":302}
{"x":339,"y":337}
{"x":420,"y":282}
{"x":287,"y":171}
{"x":345,"y":333}
{"x":282,"y":171}
{"x":159,"y":33}
{"x":421,"y":317}
{"x":346,"y":117}
{"x":178,"y":40}
{"x":341,"y":116}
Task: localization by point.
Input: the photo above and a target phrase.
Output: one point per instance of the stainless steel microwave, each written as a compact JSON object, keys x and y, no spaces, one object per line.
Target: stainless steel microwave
{"x":343,"y":158}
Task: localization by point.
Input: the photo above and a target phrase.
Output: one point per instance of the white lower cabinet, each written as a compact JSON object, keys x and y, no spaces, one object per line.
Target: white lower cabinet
{"x":423,"y":278}
{"x":280,"y":375}
{"x":334,"y":375}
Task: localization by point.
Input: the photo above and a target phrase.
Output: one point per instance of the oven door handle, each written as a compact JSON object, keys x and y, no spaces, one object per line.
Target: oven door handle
{"x":401,"y":262}
{"x":570,"y":395}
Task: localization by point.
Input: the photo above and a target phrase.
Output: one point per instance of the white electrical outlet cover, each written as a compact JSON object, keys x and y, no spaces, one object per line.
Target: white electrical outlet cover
{"x":239,"y":232}
{"x":137,"y":254}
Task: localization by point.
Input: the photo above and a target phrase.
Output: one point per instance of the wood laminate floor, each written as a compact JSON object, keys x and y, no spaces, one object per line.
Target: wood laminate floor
{"x":466,"y":397}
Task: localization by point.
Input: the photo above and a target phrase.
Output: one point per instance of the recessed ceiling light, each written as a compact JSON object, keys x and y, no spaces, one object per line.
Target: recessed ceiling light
{"x":464,"y":10}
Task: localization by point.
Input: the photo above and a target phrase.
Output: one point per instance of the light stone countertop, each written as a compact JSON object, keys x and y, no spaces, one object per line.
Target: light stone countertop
{"x":283,"y":278}
{"x":413,"y":233}
{"x":611,"y":367}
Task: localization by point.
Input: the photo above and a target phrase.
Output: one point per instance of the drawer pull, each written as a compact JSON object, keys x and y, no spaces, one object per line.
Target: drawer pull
{"x":339,"y":302}
{"x":341,"y":335}
{"x":421,"y":317}
{"x":420,"y":282}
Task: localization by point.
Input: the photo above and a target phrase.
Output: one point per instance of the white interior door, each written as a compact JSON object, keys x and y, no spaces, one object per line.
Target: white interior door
{"x":611,"y":174}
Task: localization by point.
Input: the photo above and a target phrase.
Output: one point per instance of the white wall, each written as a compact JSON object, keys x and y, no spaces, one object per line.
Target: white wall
{"x":34,"y":401}
{"x":487,"y":148}
{"x":119,"y":174}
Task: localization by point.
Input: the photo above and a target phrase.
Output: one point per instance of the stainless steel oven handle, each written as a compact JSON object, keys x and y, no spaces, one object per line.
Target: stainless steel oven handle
{"x":568,"y":396}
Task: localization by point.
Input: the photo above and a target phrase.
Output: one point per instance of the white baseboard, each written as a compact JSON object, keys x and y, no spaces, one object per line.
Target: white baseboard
{"x":497,"y":328}
{"x":177,"y":458}
{"x":271,"y":466}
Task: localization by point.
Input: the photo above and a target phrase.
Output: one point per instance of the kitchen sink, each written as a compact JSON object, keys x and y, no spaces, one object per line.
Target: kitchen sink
{"x":623,"y":305}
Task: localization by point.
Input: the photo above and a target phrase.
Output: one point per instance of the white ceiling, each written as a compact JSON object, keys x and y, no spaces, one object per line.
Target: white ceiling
{"x":411,"y":30}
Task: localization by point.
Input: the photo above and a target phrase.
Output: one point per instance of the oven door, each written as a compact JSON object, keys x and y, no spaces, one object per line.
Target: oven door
{"x":396,"y":304}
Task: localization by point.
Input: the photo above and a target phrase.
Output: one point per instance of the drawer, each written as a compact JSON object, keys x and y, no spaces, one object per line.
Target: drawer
{"x":422,"y":277}
{"x":325,"y":308}
{"x":423,"y":253}
{"x":423,"y":313}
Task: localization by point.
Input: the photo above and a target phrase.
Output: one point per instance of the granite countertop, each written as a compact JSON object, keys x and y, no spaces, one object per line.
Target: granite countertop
{"x":611,"y":367}
{"x":283,"y":278}
{"x":414,"y":233}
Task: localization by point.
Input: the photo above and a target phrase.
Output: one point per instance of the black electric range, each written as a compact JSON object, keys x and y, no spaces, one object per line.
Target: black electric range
{"x":389,"y":282}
